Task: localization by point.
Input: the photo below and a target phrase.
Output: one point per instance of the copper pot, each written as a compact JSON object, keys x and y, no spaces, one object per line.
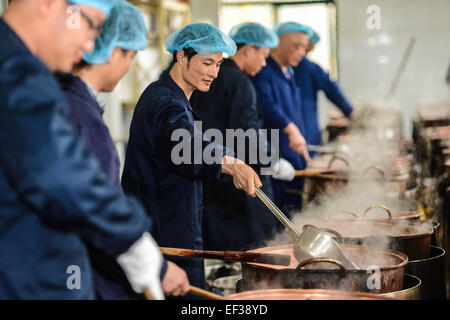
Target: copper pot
{"x":307,"y":275}
{"x":414,"y":239}
{"x":399,"y":215}
{"x":432,"y":273}
{"x":309,"y":294}
{"x":411,"y":289}
{"x":407,"y":215}
{"x":371,"y":215}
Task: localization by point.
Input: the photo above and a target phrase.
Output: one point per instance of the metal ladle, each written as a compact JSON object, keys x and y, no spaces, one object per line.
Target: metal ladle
{"x":312,"y":242}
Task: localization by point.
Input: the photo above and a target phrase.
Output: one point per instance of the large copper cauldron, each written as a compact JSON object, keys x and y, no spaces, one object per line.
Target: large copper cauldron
{"x":411,"y":289}
{"x":333,"y":275}
{"x":309,"y":294}
{"x":378,"y":215}
{"x":387,"y":214}
{"x":328,"y":182}
{"x":432,"y":273}
{"x":414,"y":239}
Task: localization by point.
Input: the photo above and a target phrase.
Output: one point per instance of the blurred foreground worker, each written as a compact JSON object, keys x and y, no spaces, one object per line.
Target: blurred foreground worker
{"x":123,"y":34}
{"x":279,"y":100}
{"x":169,"y":179}
{"x":54,"y":196}
{"x":311,"y":78}
{"x":230,"y":103}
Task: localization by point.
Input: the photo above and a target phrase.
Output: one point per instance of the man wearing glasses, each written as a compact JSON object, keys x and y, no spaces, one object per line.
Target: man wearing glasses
{"x":53,"y":193}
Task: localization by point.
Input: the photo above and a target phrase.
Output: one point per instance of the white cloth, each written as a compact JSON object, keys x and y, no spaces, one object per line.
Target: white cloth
{"x":283,"y":170}
{"x":142,"y":264}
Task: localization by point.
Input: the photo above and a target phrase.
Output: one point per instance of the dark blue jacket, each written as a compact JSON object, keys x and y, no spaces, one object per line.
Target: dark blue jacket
{"x":230,"y":103}
{"x":280,"y":102}
{"x":171,"y":192}
{"x":86,"y":117}
{"x":311,"y":78}
{"x":53,"y":193}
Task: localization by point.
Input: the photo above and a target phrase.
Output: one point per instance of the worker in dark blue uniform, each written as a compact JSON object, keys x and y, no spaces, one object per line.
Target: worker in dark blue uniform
{"x":166,"y":157}
{"x":280,"y":102}
{"x":230,"y":103}
{"x":311,"y":78}
{"x":54,"y":197}
{"x":122,"y":35}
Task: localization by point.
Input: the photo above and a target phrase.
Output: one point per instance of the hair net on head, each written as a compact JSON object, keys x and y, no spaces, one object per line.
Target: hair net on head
{"x":290,"y":27}
{"x":125,"y":28}
{"x":204,"y":38}
{"x":254,"y":33}
{"x":103,"y":5}
{"x":313,"y":36}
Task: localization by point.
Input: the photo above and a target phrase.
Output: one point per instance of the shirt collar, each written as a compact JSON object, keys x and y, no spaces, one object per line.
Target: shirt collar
{"x":275,"y":66}
{"x":12,"y":37}
{"x":95,"y":95}
{"x":167,"y":79}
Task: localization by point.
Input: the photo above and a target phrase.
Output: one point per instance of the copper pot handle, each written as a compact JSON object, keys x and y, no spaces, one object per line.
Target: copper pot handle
{"x":338,"y":157}
{"x":340,"y":239}
{"x":350,"y":213}
{"x":312,"y":260}
{"x":379,"y":206}
{"x":377,"y":168}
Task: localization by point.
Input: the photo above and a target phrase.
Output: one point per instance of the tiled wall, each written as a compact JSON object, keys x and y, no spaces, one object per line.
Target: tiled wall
{"x":369,"y":59}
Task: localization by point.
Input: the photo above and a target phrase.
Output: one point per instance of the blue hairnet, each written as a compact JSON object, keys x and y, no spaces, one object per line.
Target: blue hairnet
{"x":204,"y":38}
{"x":313,"y":36}
{"x":125,"y":28}
{"x":290,"y":27}
{"x":103,"y":5}
{"x":254,"y":33}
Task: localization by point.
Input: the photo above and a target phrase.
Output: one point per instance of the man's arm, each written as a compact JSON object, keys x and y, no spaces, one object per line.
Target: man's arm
{"x":332,"y":90}
{"x":172,"y":119}
{"x":275,"y":118}
{"x":49,"y":168}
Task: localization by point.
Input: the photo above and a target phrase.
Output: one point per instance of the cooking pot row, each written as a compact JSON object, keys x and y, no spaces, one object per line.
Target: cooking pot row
{"x":424,"y":279}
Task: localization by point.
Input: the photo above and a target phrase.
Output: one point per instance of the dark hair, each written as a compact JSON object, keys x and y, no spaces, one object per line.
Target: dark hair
{"x":240,"y":45}
{"x":83,"y":64}
{"x":189,"y":53}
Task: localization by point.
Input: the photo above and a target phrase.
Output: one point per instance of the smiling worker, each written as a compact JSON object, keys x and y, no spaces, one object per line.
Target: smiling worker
{"x":123,"y":34}
{"x":172,"y":191}
{"x":280,"y":102}
{"x":54,"y":197}
{"x":231,"y":104}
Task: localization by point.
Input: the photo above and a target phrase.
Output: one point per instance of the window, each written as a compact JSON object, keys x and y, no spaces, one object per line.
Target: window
{"x":320,"y":15}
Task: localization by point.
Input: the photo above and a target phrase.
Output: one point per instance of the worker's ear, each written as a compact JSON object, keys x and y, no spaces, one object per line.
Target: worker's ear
{"x":248,"y":50}
{"x":115,"y":55}
{"x":181,"y":58}
{"x":44,"y":7}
